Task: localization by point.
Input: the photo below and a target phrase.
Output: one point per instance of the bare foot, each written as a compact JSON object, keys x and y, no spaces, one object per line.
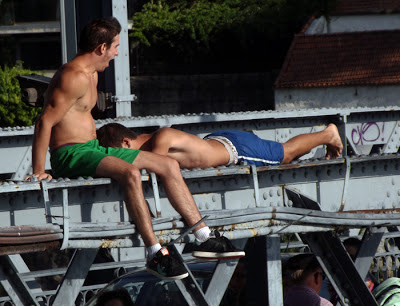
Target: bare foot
{"x":335,"y":146}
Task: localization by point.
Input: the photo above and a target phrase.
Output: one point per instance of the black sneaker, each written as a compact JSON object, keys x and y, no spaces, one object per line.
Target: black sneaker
{"x":166,"y":266}
{"x":216,"y":247}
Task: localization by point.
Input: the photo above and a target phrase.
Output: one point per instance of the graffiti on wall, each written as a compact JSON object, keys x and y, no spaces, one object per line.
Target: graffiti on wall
{"x":368,"y":133}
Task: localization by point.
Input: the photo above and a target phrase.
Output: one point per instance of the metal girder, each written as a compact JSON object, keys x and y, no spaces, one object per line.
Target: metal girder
{"x":88,"y":208}
{"x":188,"y":286}
{"x":25,"y":167}
{"x":369,"y":244}
{"x":123,"y":97}
{"x":334,"y":259}
{"x":69,"y":41}
{"x":339,"y":268}
{"x":221,"y":277}
{"x":274,"y":271}
{"x":75,"y":276}
{"x":15,"y":286}
{"x":274,"y":125}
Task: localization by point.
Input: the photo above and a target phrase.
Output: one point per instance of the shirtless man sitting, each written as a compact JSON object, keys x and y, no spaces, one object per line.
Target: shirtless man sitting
{"x":220,"y":148}
{"x":66,"y":126}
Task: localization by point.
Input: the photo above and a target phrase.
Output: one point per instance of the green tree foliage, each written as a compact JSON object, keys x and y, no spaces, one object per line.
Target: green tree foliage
{"x":231,"y":33}
{"x":14,"y":112}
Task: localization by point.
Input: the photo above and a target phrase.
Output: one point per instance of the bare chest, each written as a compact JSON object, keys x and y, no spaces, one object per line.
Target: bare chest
{"x":89,"y":99}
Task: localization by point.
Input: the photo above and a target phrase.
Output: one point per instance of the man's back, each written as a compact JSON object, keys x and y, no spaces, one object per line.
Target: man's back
{"x":189,"y":150}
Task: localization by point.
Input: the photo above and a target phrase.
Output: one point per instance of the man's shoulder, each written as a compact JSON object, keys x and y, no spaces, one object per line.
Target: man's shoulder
{"x":166,"y":132}
{"x":71,"y":75}
{"x":72,"y":68}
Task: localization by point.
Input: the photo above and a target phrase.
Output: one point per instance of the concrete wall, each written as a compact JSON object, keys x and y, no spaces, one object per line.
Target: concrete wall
{"x":355,"y":23}
{"x":181,"y":94}
{"x":371,"y":96}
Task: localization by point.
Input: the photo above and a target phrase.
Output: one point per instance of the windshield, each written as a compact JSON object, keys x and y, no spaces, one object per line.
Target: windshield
{"x":146,"y":289}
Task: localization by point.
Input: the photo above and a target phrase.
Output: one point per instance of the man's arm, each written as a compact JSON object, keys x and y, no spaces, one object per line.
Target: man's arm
{"x":72,"y":86}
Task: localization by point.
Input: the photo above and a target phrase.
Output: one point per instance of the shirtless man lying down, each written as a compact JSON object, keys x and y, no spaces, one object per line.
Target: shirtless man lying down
{"x":220,"y":148}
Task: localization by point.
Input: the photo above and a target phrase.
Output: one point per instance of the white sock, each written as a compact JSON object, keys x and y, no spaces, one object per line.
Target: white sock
{"x":202,"y":234}
{"x":152,"y":250}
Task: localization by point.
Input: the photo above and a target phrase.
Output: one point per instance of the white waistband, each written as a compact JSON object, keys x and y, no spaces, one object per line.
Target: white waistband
{"x":233,"y":154}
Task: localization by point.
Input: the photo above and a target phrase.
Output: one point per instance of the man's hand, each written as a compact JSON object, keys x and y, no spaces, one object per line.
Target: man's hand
{"x":39,"y":176}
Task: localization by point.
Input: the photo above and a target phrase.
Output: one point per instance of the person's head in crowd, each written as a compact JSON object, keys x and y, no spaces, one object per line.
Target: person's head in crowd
{"x":302,"y":281}
{"x":303,"y":269}
{"x":352,"y":245}
{"x":117,"y":297}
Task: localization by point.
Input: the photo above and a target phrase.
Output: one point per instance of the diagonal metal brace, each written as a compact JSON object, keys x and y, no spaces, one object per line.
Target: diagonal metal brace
{"x":334,"y":259}
{"x":12,"y":282}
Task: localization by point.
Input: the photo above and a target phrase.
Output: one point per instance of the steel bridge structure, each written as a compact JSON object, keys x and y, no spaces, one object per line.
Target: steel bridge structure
{"x":316,"y":199}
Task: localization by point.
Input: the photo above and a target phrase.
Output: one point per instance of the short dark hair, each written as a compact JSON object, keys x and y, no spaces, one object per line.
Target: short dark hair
{"x":352,"y":242}
{"x":112,"y":134}
{"x":120,"y":293}
{"x":97,"y":32}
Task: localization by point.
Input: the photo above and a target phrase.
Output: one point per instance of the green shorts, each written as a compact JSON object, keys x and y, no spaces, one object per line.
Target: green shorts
{"x":82,"y":159}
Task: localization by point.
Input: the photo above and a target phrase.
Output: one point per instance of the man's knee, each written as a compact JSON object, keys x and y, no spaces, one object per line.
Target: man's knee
{"x":172,"y":166}
{"x":131,"y":176}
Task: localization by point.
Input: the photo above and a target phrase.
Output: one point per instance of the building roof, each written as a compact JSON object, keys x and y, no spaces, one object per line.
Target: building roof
{"x":366,"y":7}
{"x":342,"y":59}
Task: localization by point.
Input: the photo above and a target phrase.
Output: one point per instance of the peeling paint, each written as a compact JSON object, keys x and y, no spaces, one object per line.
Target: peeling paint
{"x":110,"y":244}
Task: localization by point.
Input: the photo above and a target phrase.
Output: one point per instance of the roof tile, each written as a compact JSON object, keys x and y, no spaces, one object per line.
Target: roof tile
{"x":342,"y":59}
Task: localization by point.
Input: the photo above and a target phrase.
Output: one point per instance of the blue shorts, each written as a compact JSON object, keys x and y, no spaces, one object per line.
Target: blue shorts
{"x":82,"y":159}
{"x":252,"y":149}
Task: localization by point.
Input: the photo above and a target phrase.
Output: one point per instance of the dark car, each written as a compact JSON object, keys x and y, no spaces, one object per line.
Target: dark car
{"x":146,"y":289}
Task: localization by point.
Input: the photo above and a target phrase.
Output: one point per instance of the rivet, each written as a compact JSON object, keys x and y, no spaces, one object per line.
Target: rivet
{"x":265,"y":195}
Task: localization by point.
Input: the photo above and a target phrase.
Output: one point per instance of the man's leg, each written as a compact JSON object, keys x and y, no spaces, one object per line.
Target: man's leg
{"x":181,"y":199}
{"x":177,"y":191}
{"x":303,"y":144}
{"x":129,"y":177}
{"x":160,"y":263}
